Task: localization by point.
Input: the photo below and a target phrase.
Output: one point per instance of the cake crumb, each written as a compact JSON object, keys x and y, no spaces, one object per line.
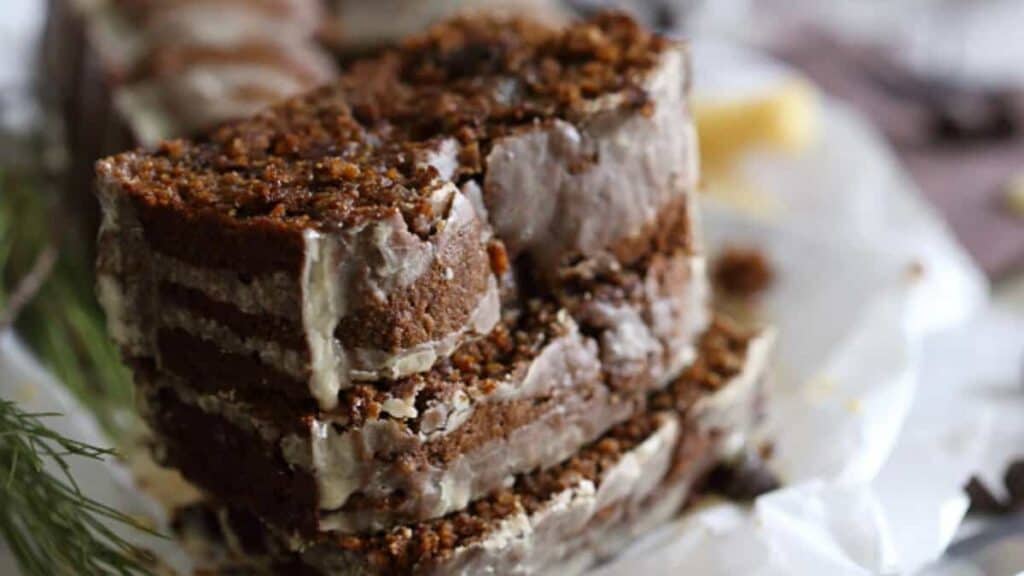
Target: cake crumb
{"x":743,"y":272}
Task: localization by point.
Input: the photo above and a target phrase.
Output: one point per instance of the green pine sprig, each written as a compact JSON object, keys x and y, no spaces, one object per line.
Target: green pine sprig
{"x":46,"y":296}
{"x":51,"y":526}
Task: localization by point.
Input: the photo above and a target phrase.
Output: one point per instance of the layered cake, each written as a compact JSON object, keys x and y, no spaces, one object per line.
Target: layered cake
{"x":446,"y":285}
{"x":560,"y":520}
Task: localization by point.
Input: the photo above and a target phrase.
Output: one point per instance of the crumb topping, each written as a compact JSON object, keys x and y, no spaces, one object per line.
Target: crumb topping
{"x":475,"y":78}
{"x":358,"y":150}
{"x":477,"y":367}
{"x":722,"y":350}
{"x":743,"y":272}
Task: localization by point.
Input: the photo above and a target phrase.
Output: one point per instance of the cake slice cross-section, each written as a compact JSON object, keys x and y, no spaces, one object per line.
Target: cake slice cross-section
{"x":578,"y":141}
{"x":563,"y":519}
{"x":298,"y":249}
{"x":529,"y":395}
{"x":359,"y":233}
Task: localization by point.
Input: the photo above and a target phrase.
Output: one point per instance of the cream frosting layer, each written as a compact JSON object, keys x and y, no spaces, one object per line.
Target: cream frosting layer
{"x":342,"y":272}
{"x":564,"y":189}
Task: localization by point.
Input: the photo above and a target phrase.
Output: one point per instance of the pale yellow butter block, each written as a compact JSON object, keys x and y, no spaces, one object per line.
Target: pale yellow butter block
{"x":781,"y":118}
{"x":1014,"y":198}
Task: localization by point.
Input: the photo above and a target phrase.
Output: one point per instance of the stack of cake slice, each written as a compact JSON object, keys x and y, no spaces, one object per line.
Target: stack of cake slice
{"x":448,"y":314}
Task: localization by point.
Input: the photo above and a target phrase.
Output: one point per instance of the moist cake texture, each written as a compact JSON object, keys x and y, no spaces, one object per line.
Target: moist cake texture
{"x":530,"y":394}
{"x":379,"y":235}
{"x":447,"y":314}
{"x":563,"y":519}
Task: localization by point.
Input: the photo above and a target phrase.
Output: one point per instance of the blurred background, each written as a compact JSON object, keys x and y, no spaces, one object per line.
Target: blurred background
{"x":941,"y":82}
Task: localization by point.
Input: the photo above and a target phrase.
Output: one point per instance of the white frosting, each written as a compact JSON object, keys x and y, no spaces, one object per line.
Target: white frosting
{"x":323,"y":303}
{"x":444,"y":158}
{"x":560,"y":189}
{"x":275,"y":294}
{"x":730,"y":408}
{"x":285,"y":360}
{"x":110,"y":294}
{"x":117,"y":299}
{"x":628,"y":348}
{"x":371,"y":262}
{"x":475,"y":193}
{"x":343,"y":461}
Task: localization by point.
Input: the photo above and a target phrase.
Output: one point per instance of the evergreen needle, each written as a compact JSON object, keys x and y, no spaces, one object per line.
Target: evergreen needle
{"x":51,"y":526}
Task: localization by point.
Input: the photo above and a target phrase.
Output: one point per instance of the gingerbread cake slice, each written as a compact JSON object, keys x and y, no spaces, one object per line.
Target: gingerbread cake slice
{"x":527,"y":396}
{"x":169,"y":68}
{"x":323,"y":271}
{"x":576,"y":141}
{"x":357,"y":233}
{"x":560,"y":520}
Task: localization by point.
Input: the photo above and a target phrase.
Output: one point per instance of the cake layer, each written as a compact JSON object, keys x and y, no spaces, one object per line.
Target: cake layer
{"x":564,"y":519}
{"x":375,"y":199}
{"x":527,"y":396}
{"x":217,"y":339}
{"x":378,"y":300}
{"x":579,"y":141}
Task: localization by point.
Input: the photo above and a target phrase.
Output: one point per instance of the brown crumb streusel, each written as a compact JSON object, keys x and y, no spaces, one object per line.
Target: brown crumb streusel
{"x":356,"y":150}
{"x":399,"y":550}
{"x":743,"y":272}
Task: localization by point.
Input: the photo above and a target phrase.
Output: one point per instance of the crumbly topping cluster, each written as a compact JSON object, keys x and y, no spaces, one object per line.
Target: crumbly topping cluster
{"x":299,"y":164}
{"x":357,"y":150}
{"x":721,"y":353}
{"x":743,"y":272}
{"x":722,"y":349}
{"x":478,"y":367}
{"x":401,"y":549}
{"x":476,"y":79}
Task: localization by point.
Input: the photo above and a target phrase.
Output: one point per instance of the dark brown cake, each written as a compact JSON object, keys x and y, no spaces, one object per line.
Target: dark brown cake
{"x":453,"y":284}
{"x":373,"y":235}
{"x":566,"y":517}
